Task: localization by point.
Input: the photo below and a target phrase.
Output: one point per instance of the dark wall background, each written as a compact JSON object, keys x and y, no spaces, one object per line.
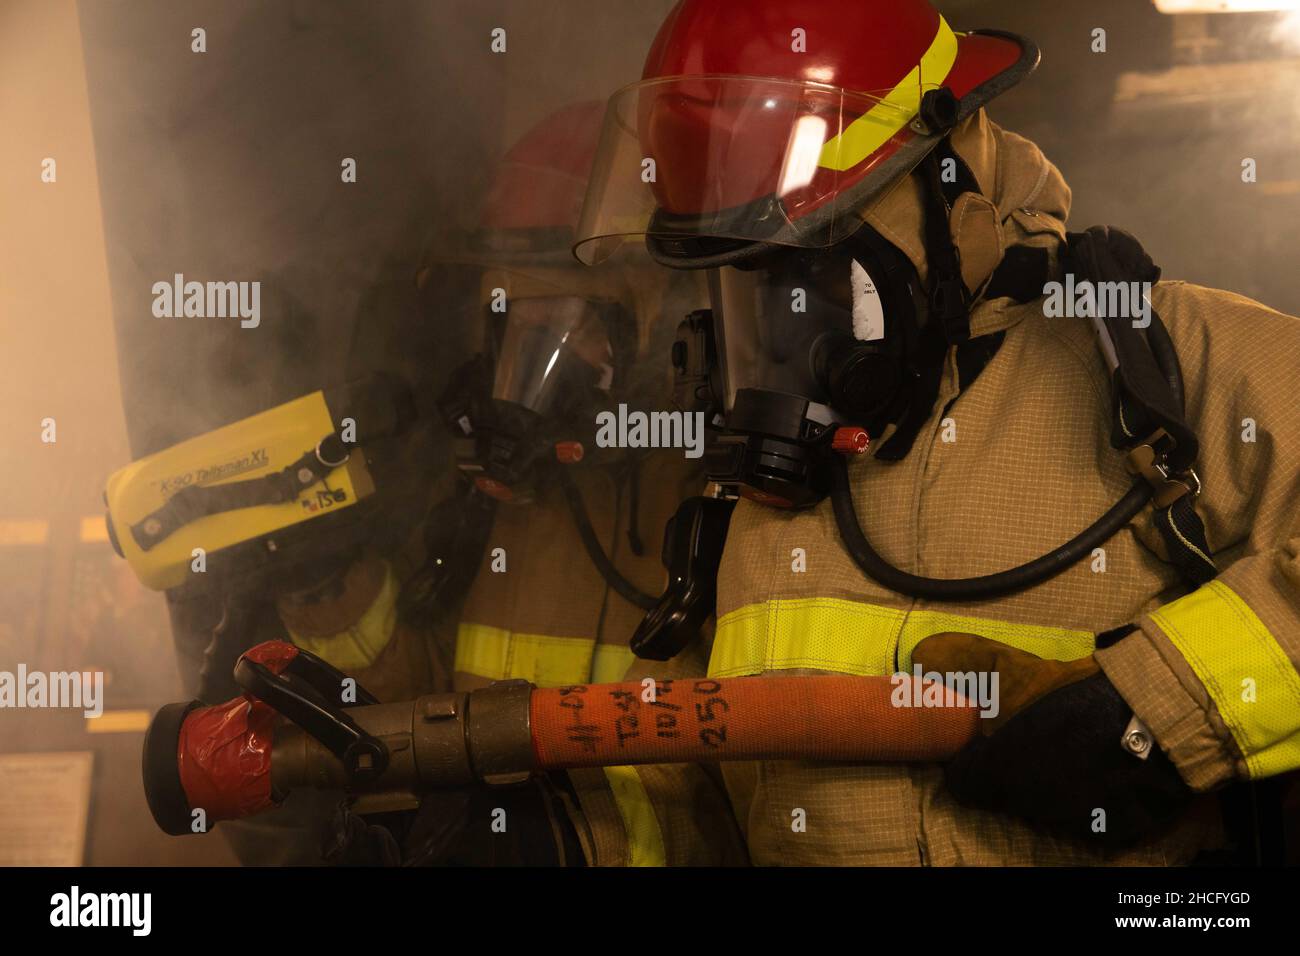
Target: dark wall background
{"x":1151,"y":134}
{"x":226,"y":165}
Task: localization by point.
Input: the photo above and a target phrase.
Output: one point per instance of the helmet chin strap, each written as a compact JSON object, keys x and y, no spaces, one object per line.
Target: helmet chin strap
{"x":947,"y":319}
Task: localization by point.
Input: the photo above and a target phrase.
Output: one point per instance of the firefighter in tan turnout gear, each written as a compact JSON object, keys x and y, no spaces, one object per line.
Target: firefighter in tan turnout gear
{"x":569,"y":558}
{"x":964,"y":441}
{"x":531,"y":563}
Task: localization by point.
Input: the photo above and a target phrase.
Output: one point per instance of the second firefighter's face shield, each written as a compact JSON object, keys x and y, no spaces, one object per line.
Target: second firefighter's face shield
{"x":739,"y":158}
{"x":776,"y":321}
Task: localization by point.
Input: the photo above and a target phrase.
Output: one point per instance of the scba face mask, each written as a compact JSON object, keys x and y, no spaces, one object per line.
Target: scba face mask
{"x":805,"y":354}
{"x":524,"y":409}
{"x":522,"y":406}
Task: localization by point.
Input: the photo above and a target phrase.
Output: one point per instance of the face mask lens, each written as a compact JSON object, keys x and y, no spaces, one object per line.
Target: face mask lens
{"x":552,"y":349}
{"x":771,"y":322}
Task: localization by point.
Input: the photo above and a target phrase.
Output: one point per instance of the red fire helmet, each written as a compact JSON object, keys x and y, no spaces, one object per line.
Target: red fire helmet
{"x":779,"y":122}
{"x":536,"y":196}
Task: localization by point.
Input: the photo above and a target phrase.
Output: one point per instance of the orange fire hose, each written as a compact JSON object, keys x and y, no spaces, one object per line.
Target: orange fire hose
{"x":748,"y":718}
{"x":227,"y":759}
{"x":241,"y":757}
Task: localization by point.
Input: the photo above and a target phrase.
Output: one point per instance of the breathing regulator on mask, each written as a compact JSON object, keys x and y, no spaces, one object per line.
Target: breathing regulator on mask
{"x":822,"y":339}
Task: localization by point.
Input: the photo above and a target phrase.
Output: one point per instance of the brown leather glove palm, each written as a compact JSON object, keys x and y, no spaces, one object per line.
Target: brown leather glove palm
{"x":1053,"y":755}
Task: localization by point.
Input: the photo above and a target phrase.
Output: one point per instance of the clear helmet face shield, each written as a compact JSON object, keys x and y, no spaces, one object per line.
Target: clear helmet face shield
{"x":683,"y":159}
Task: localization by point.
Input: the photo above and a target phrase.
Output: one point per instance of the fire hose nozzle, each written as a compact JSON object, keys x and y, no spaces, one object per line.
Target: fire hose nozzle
{"x":434,"y":742}
{"x":232,"y":760}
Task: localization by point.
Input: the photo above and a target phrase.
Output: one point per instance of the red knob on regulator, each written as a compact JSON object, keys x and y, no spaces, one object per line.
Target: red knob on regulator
{"x":851,"y":441}
{"x":569,"y":452}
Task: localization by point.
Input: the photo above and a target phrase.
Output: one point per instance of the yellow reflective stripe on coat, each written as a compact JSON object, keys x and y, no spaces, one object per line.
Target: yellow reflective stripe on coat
{"x":495,"y":653}
{"x":873,"y":129}
{"x":645,"y":841}
{"x":852,"y":637}
{"x":611,"y":662}
{"x":360,"y":645}
{"x":1244,"y":669}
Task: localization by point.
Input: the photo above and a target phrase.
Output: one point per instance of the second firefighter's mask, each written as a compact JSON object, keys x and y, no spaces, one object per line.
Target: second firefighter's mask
{"x":554,"y":354}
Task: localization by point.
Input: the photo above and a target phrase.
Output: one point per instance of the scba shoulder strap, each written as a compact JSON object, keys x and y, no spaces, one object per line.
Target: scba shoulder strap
{"x":1148,"y":406}
{"x":1149,"y":426}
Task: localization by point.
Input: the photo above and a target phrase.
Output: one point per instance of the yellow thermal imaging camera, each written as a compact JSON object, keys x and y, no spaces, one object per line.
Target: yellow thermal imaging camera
{"x":269,"y":490}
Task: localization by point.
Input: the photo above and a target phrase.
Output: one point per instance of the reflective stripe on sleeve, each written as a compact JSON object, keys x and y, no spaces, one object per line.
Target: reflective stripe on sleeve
{"x":1245,"y":671}
{"x":611,"y":663}
{"x":495,"y":653}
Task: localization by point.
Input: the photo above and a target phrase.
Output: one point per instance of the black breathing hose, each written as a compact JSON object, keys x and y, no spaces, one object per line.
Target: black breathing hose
{"x":625,"y":588}
{"x":1014,"y":579}
{"x":990,"y":585}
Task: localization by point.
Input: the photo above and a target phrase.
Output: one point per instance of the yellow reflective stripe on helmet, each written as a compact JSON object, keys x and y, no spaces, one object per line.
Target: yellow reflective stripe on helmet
{"x":871,"y":130}
{"x":360,"y":645}
{"x":1244,"y":669}
{"x":645,"y":841}
{"x":611,"y":663}
{"x":495,"y":653}
{"x":852,"y":637}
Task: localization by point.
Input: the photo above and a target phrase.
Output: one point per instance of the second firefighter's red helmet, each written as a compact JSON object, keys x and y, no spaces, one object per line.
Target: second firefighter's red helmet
{"x":537,"y":192}
{"x":777,"y":121}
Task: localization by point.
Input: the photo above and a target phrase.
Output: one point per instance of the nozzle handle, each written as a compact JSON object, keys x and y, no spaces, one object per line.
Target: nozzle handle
{"x":363,"y":756}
